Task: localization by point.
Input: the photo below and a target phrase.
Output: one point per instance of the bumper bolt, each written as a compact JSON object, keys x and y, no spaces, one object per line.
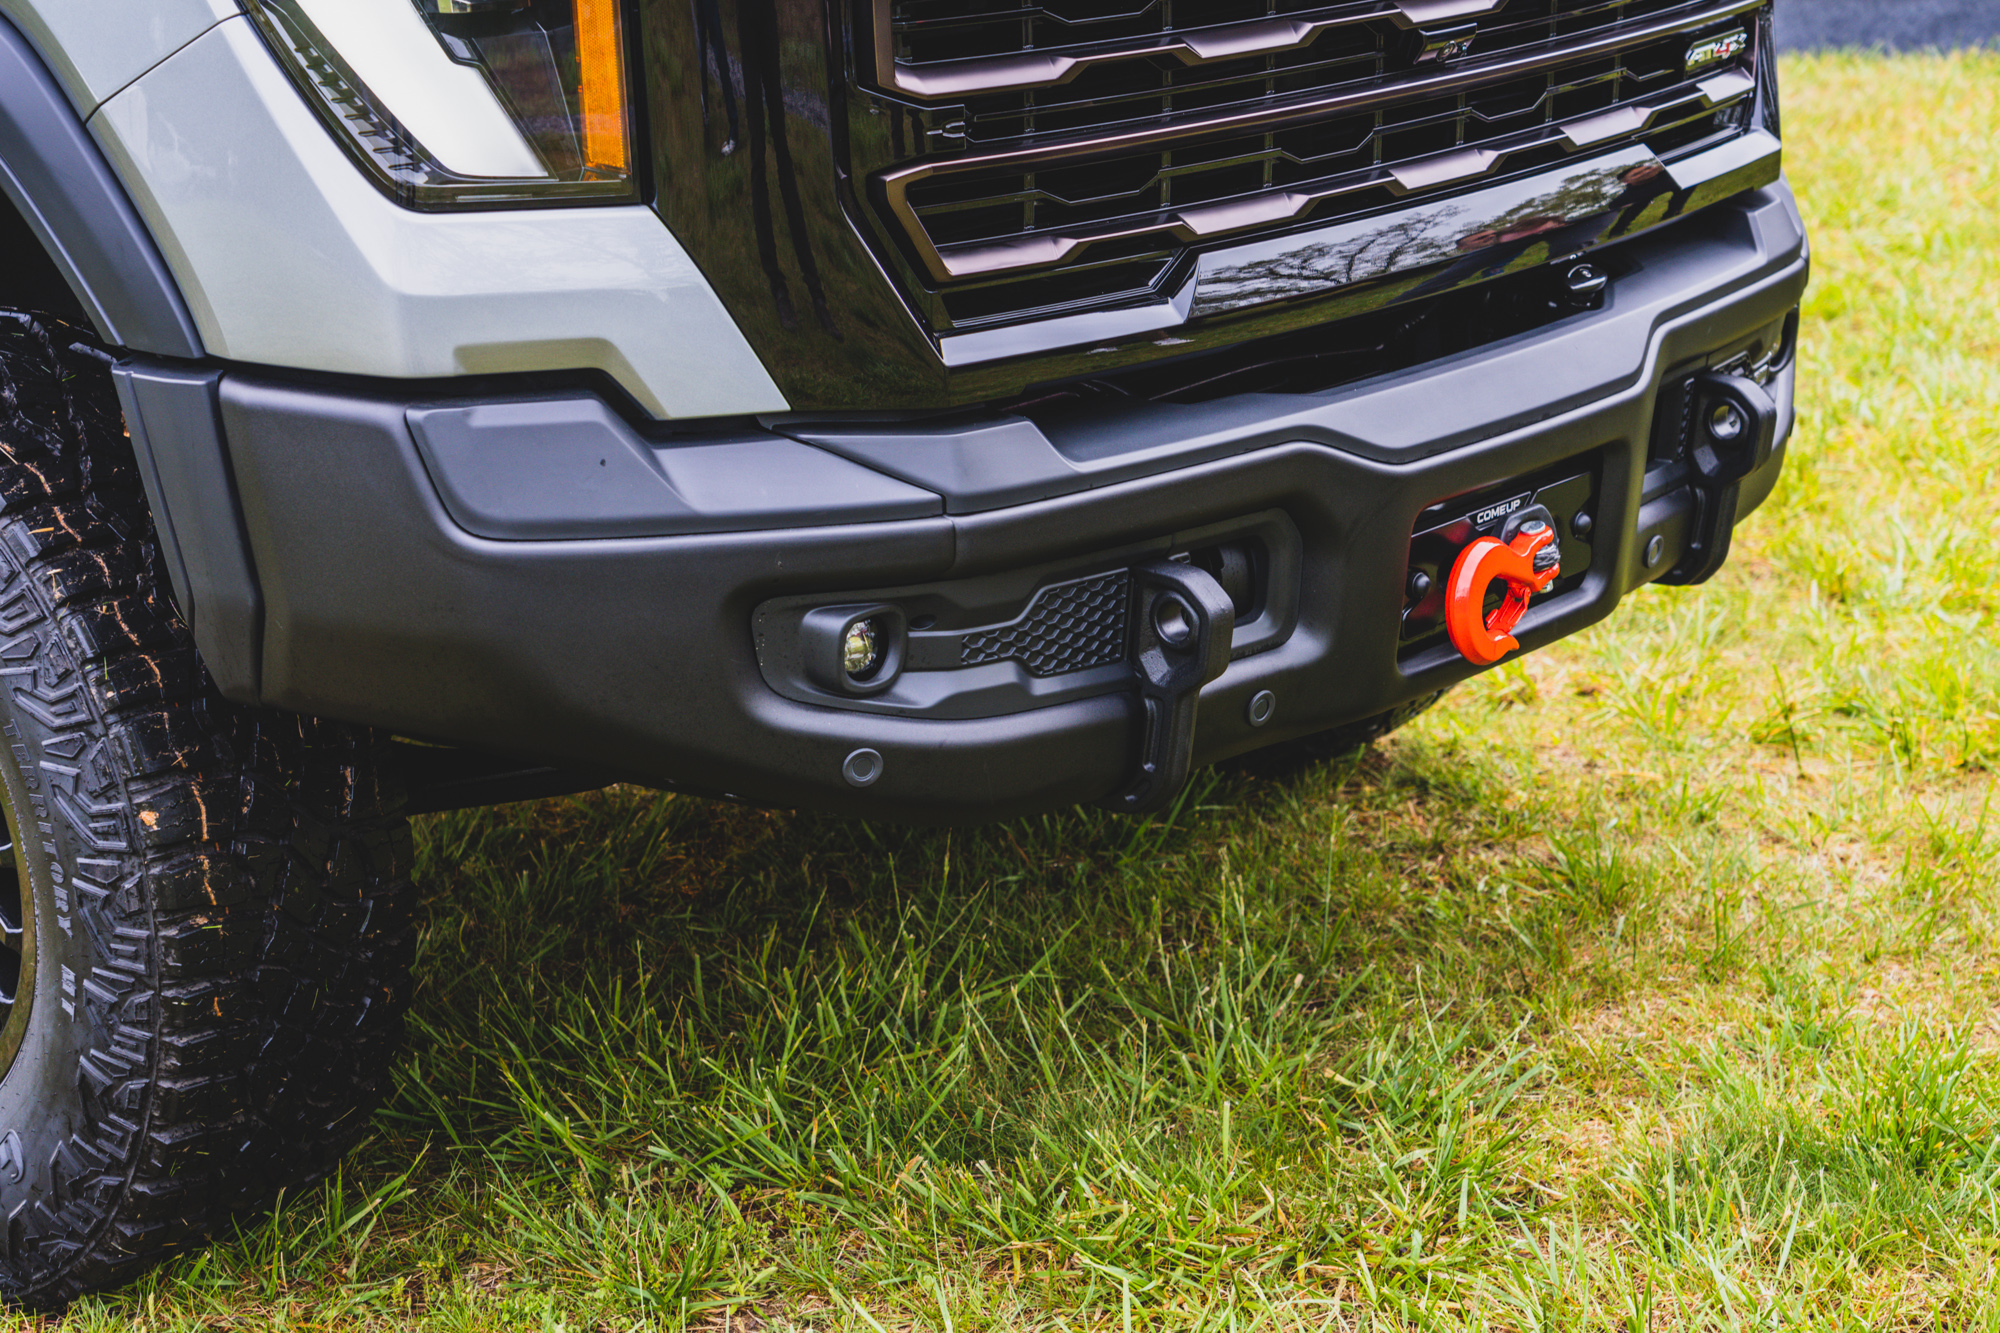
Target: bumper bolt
{"x":1581,"y":525}
{"x":1418,"y":586}
{"x":1586,"y":280}
{"x":1262,"y":704}
{"x":1172,"y":621}
{"x":1656,"y":550}
{"x":1727,"y":422}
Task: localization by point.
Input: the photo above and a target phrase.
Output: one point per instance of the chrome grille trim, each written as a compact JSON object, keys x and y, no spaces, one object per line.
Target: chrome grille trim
{"x":942,"y":79}
{"x":1045,"y":249}
{"x":1089,"y":194}
{"x":1423,"y":174}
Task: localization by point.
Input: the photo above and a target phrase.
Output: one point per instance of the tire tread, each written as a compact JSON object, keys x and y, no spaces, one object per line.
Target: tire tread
{"x":243,"y":876}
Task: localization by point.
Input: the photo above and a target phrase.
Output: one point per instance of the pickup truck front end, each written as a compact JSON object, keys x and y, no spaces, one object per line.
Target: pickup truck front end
{"x":903,"y":408}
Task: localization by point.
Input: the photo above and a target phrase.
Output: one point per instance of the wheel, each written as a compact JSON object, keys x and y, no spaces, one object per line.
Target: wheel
{"x":1304,"y":751}
{"x":205,"y":910}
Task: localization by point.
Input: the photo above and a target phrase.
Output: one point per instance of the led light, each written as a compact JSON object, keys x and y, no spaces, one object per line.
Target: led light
{"x":499,"y":102}
{"x":559,"y":65}
{"x":601,"y":85}
{"x":446,"y":106}
{"x":859,"y":648}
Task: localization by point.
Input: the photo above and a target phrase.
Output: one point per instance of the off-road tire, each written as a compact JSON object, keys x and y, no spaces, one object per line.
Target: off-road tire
{"x":216,"y":900}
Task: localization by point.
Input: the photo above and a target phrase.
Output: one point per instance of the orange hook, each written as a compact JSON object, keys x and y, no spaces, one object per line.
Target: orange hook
{"x":1486,"y":638}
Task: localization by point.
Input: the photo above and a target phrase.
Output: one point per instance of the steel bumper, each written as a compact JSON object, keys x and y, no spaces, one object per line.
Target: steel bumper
{"x":454,"y":571}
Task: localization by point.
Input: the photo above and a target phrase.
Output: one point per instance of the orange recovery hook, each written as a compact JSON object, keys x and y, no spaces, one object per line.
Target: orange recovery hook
{"x":1528,"y":564}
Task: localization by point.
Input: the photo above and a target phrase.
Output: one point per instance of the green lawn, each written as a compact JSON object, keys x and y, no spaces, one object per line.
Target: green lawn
{"x":1649,"y":983}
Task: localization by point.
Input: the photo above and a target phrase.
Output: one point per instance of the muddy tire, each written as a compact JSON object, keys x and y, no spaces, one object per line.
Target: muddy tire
{"x":205,"y":910}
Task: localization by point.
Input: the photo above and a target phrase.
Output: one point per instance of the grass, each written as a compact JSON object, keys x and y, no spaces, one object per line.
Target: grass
{"x":1646,"y":984}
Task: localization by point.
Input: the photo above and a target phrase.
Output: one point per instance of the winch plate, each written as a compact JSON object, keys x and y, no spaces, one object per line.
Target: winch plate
{"x":1569,"y":492}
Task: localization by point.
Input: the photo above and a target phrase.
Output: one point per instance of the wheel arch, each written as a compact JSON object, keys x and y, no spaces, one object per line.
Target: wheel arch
{"x":72,"y":218}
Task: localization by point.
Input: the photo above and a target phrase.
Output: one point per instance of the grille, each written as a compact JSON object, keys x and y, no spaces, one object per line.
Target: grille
{"x":1121,"y":68}
{"x":1068,"y":627}
{"x":1081,"y":146}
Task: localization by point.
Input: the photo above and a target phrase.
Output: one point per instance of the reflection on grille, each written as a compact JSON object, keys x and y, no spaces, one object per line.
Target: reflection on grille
{"x":1068,"y":627}
{"x":1072,"y":150}
{"x":1095,"y":65}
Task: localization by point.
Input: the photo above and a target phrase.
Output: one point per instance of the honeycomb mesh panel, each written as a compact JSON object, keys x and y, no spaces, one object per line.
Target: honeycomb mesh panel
{"x":1068,"y":627}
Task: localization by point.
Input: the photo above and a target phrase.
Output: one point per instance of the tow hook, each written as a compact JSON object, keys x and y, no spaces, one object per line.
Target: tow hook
{"x":1735,"y":425}
{"x":1181,"y":627}
{"x":1526,"y":558}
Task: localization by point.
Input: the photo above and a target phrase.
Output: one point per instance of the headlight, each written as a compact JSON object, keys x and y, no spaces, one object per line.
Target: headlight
{"x":466,"y":103}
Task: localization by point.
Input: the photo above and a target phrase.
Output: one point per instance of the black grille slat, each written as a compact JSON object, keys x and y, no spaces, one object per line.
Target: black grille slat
{"x":1339,"y":56}
{"x":1105,"y":98}
{"x":1068,"y":627}
{"x":941,"y":30}
{"x":1129,"y":188}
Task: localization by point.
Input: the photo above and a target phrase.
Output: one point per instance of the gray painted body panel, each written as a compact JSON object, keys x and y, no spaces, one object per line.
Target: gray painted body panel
{"x":289,"y":257}
{"x":96,"y":47}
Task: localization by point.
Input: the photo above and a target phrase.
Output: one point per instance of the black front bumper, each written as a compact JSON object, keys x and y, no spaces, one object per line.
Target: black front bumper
{"x":325,"y":549}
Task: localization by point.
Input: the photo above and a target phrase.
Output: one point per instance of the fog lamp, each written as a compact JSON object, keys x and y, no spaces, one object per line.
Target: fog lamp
{"x":860,"y":648}
{"x":854,"y":650}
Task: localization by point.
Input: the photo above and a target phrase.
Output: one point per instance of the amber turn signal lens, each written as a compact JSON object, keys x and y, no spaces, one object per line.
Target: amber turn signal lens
{"x":602,"y":91}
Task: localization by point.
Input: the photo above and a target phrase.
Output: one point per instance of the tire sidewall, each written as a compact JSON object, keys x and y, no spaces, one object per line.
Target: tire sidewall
{"x":43,"y":1096}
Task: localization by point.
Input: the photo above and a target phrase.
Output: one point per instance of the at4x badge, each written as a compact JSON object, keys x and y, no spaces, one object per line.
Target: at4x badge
{"x":1715,"y":50}
{"x":1527,"y":561}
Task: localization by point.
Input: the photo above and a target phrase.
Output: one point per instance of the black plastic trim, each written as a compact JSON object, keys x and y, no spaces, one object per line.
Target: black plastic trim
{"x":52,"y":172}
{"x":568,"y":466}
{"x":979,"y":464}
{"x":172,"y":415}
{"x":935,"y":680}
